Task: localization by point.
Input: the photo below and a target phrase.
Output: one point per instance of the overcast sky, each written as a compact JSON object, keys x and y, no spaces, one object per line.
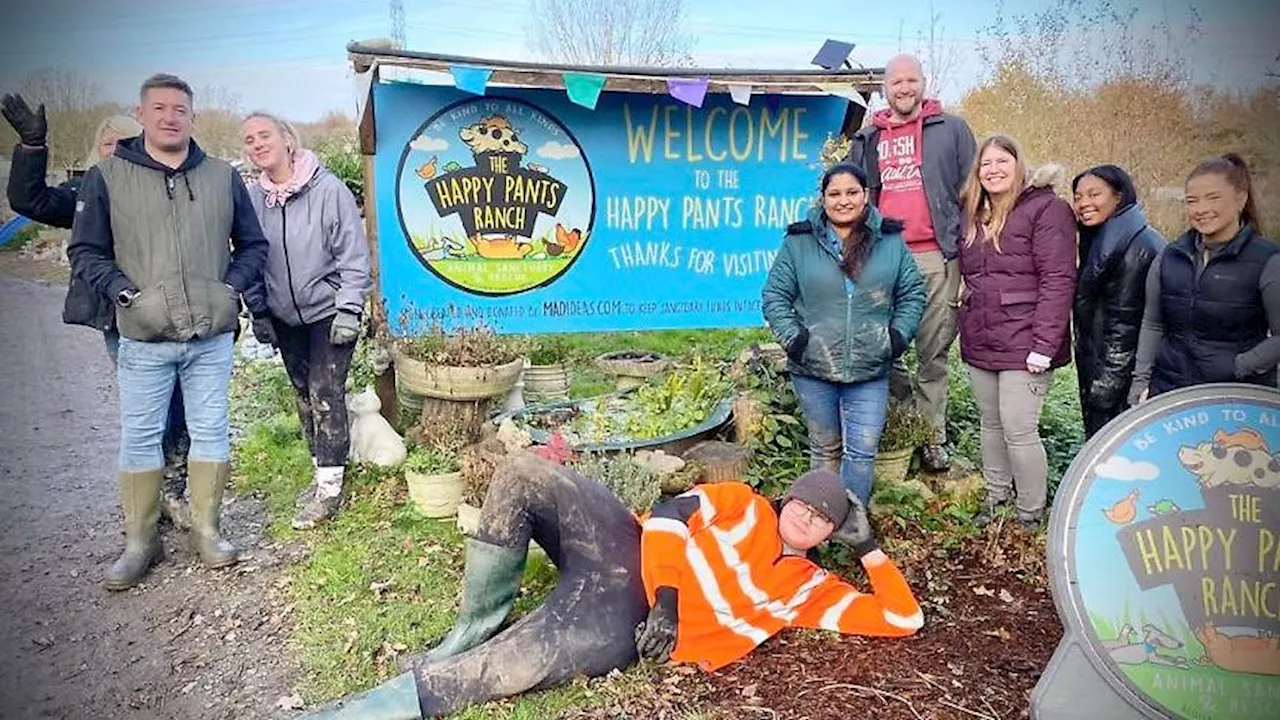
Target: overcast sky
{"x":288,"y":56}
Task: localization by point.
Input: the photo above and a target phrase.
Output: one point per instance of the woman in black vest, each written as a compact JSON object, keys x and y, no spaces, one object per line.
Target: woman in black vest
{"x":1213,"y":295}
{"x":1117,"y":247}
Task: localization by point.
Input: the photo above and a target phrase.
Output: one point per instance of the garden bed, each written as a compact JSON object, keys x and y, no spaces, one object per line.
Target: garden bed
{"x":990,"y":629}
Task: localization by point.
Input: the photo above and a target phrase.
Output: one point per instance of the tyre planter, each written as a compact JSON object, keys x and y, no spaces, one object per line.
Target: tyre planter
{"x":435,"y":496}
{"x":891,"y":466}
{"x":446,"y":382}
{"x":631,"y":368}
{"x":547,"y":382}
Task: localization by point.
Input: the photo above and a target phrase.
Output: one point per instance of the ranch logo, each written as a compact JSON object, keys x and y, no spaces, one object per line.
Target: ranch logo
{"x":1178,"y":557}
{"x":495,"y":196}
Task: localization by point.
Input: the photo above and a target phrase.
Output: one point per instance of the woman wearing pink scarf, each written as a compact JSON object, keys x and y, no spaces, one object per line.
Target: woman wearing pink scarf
{"x":317,"y":278}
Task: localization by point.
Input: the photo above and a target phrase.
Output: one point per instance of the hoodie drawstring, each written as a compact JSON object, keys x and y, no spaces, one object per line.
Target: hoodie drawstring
{"x":169,"y":182}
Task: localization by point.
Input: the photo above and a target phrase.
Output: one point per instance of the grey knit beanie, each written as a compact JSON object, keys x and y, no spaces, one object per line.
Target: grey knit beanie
{"x":824,"y":491}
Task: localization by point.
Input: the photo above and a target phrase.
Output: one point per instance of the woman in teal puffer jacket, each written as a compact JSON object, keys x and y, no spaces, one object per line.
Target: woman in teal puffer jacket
{"x":844,"y":297}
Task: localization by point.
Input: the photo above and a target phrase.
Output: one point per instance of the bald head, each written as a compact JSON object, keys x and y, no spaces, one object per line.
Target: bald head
{"x":904,"y":86}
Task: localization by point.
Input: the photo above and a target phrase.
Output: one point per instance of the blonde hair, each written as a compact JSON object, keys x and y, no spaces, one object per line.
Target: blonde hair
{"x":292,"y":140}
{"x":979,"y":206}
{"x":122,"y":125}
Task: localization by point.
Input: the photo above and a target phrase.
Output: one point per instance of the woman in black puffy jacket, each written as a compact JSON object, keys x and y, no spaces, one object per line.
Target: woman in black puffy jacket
{"x":1116,"y":249}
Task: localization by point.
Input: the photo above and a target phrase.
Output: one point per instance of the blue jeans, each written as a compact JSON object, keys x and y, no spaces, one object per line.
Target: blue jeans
{"x":176,"y":423}
{"x":844,"y":421}
{"x":147,"y":374}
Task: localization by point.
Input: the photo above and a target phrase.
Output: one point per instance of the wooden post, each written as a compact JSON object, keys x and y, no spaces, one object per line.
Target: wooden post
{"x":385,"y":385}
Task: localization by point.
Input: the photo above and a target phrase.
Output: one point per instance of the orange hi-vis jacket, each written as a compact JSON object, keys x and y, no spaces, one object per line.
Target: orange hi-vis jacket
{"x":718,"y":546}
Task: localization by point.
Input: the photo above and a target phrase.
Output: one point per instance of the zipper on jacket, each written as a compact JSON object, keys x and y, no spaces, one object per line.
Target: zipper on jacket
{"x":288,"y":269}
{"x":177,"y":244}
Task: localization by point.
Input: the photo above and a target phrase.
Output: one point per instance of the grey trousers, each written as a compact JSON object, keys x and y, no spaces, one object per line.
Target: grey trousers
{"x":928,"y":390}
{"x":1013,"y":456}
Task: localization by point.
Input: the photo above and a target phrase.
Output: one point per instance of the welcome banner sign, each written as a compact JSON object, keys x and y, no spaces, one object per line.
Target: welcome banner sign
{"x":531,"y":213}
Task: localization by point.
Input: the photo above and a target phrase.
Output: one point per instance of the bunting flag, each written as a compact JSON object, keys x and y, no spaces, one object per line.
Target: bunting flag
{"x":690,"y":91}
{"x":469,"y":79}
{"x":844,"y":90}
{"x":583,"y":88}
{"x":740,"y":93}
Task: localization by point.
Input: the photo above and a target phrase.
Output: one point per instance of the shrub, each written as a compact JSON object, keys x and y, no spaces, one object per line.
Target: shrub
{"x":431,"y":461}
{"x":549,"y":350}
{"x":904,"y":428}
{"x":637,"y":487}
{"x":477,"y":345}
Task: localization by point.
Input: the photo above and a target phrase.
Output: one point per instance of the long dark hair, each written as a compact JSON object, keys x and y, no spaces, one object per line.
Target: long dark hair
{"x":1116,"y":178}
{"x":856,"y":248}
{"x":1233,"y":167}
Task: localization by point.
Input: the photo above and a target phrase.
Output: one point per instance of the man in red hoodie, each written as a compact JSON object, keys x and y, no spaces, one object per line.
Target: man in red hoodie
{"x":917,"y":158}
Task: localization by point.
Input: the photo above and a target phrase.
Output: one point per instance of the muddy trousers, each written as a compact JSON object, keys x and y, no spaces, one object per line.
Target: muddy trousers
{"x":587,"y":624}
{"x":318,"y":372}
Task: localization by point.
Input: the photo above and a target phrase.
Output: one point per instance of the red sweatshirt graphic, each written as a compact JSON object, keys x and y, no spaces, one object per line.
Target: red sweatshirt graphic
{"x":901,"y":153}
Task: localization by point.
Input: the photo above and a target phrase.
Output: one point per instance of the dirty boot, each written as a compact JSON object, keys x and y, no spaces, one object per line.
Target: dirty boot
{"x":396,"y":699}
{"x":206,"y":482}
{"x":490,"y":581}
{"x":324,"y":500}
{"x":991,"y":509}
{"x":140,"y":500}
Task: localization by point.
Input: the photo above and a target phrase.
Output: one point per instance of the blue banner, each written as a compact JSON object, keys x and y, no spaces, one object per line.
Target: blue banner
{"x":534,"y":214}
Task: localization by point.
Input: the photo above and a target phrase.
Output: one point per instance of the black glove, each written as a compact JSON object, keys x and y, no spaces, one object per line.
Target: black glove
{"x":896,"y":343}
{"x":795,"y":348}
{"x":32,"y":128}
{"x":263,"y":330}
{"x":656,"y":636}
{"x":855,"y":531}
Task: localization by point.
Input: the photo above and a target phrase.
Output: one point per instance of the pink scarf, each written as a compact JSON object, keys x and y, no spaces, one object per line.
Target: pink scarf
{"x":305,"y":165}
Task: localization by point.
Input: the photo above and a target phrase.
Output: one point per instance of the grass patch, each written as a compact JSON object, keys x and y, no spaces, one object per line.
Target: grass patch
{"x":381,"y":580}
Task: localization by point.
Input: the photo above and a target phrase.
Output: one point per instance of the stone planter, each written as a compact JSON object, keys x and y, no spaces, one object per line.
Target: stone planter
{"x":547,"y":382}
{"x":891,"y":466}
{"x":631,"y":368}
{"x":447,"y":382}
{"x":435,"y":496}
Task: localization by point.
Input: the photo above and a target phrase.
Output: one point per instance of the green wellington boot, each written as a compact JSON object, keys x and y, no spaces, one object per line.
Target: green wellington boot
{"x":206,"y":482}
{"x":396,"y":699}
{"x":140,"y":500}
{"x":490,"y":581}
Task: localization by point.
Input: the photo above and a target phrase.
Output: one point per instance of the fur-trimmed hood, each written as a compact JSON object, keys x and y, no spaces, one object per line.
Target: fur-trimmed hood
{"x":1047,"y":175}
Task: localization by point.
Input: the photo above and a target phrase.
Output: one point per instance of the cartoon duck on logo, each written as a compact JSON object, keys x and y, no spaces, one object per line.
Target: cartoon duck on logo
{"x":1123,"y":512}
{"x":427,"y":170}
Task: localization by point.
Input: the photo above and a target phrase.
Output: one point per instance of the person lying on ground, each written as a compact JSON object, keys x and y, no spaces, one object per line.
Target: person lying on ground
{"x":704,"y":578}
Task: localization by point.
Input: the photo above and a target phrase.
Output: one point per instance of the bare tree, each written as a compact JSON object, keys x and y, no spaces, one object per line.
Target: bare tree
{"x":74,"y":109}
{"x":612,"y":32}
{"x":939,"y":57}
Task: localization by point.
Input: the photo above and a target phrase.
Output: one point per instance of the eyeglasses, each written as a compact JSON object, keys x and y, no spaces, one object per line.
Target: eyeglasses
{"x":807,"y":512}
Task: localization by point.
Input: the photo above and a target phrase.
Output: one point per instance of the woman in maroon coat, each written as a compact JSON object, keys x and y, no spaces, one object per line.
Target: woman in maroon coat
{"x":1018,"y":262}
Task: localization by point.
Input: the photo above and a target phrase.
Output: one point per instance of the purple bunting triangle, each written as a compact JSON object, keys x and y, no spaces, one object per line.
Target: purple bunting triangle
{"x":690,"y":91}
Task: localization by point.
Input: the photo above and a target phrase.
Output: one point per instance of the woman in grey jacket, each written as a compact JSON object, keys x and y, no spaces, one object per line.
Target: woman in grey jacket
{"x":317,"y":277}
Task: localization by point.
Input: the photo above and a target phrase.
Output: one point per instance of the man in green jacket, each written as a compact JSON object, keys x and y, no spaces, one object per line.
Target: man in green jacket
{"x":151,"y":232}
